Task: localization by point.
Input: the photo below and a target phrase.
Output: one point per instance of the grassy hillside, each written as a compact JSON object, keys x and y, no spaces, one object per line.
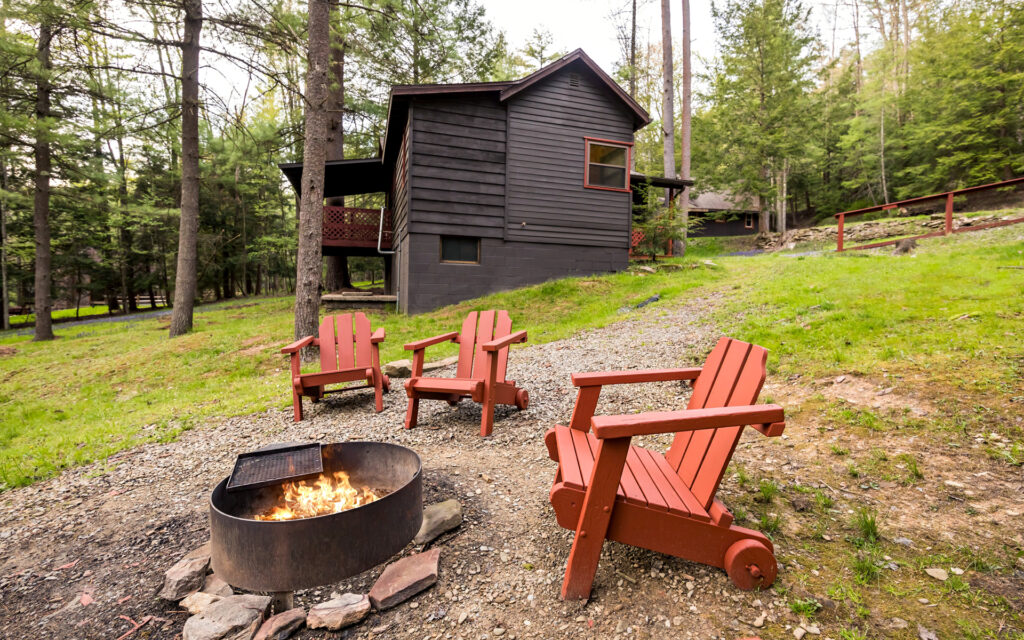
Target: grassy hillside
{"x":950,"y":316}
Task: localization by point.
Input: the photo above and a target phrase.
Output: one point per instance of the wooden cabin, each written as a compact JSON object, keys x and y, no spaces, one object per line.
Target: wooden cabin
{"x":495,"y":185}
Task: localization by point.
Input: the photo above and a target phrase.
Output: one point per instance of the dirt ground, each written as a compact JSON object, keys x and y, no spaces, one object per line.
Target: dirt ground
{"x":83,"y":555}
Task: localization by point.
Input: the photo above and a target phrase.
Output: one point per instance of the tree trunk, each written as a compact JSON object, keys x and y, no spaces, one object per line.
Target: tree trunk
{"x":188,"y":229}
{"x":632,"y":53}
{"x":881,"y":150}
{"x":668,"y":129}
{"x":856,"y":40}
{"x":309,"y":262}
{"x":763,"y":214}
{"x":780,"y":199}
{"x":337,"y":266}
{"x":41,"y":204}
{"x":5,"y":307}
{"x":685,"y":128}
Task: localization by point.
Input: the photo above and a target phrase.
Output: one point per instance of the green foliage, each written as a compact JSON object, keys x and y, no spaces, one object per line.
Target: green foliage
{"x":865,"y":521}
{"x":805,"y":607}
{"x":767,"y":490}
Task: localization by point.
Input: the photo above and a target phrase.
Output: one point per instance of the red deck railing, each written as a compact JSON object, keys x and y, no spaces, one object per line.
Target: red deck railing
{"x":351,"y":227}
{"x":636,"y":237}
{"x":947,"y":228}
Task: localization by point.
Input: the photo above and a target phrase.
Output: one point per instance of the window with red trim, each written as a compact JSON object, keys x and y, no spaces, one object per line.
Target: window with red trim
{"x":607,"y":164}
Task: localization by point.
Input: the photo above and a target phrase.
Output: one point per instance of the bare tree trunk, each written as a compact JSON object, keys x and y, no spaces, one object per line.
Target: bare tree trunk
{"x":188,"y":229}
{"x":5,"y":308}
{"x":881,"y":150}
{"x":780,"y":198}
{"x":856,"y":41}
{"x":309,"y":262}
{"x":632,"y":53}
{"x":763,"y":214}
{"x":685,"y":127}
{"x":337,"y":276}
{"x":41,"y":204}
{"x":668,"y":128}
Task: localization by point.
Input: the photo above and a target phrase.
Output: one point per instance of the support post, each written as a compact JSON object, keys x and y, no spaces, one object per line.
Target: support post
{"x":839,"y":235}
{"x":949,"y":213}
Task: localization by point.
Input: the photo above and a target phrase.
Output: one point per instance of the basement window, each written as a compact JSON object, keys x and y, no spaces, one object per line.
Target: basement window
{"x":748,"y":221}
{"x":607,"y":164}
{"x":460,"y":250}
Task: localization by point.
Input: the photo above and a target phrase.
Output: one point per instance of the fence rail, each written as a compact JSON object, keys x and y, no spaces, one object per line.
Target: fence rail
{"x":947,"y":228}
{"x":351,"y":227}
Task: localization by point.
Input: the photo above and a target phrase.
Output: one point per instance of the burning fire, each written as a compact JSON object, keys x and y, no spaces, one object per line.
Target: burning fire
{"x":328,"y":494}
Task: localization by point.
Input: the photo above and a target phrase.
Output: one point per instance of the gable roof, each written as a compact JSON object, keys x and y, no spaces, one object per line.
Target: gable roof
{"x":402,"y":94}
{"x":639,"y":113}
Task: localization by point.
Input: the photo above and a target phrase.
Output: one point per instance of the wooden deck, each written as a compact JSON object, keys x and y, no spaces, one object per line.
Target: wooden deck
{"x":357,"y":228}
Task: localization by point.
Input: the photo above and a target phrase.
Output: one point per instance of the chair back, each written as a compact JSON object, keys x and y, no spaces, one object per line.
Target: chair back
{"x":478,"y":328}
{"x":732,"y":376}
{"x":345,"y":341}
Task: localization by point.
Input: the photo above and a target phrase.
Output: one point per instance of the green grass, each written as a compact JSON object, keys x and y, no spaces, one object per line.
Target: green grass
{"x":61,"y":314}
{"x":102,"y":388}
{"x":945,"y":321}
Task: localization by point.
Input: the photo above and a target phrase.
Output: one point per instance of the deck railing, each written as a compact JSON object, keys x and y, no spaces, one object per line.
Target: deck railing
{"x":947,"y":227}
{"x":351,"y":227}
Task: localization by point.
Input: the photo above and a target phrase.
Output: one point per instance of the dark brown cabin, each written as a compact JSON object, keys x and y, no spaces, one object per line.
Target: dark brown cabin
{"x":491,"y":186}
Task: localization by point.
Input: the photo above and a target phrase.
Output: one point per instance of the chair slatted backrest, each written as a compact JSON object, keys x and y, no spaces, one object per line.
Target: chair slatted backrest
{"x":732,"y":376}
{"x":477,"y":329}
{"x":342,"y":345}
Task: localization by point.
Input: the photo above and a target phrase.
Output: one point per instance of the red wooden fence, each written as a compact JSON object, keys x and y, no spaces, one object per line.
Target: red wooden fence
{"x":948,"y":227}
{"x":351,"y":227}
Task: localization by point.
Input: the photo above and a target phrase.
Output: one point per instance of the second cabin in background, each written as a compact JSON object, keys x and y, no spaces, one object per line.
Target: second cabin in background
{"x":495,"y":185}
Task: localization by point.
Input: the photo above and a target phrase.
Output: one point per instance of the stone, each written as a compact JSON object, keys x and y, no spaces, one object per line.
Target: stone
{"x":953,"y":484}
{"x":398,"y":368}
{"x":898,"y":623}
{"x":405,"y":578}
{"x":440,"y":364}
{"x":904,"y":542}
{"x":198,"y":602}
{"x":812,"y":629}
{"x":956,"y":571}
{"x":184,"y":577}
{"x":282,"y":625}
{"x":437,"y":519}
{"x":801,"y":503}
{"x":1020,"y":563}
{"x":799,"y":633}
{"x":926,"y":634}
{"x":216,"y":586}
{"x":937,"y":573}
{"x":338,"y":613}
{"x":231,"y":618}
{"x":759,"y":621}
{"x":906,"y":245}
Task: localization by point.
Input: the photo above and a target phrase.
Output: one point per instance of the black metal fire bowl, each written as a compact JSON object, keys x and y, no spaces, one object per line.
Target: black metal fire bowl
{"x":287,"y":555}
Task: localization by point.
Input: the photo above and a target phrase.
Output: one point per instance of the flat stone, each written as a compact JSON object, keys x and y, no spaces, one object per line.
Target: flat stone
{"x":405,"y":578}
{"x":398,"y":368}
{"x":198,"y":602}
{"x":216,"y":586}
{"x":282,"y":625}
{"x":338,"y":613}
{"x":441,"y":364}
{"x":202,"y":551}
{"x":938,"y":574}
{"x":438,"y":518}
{"x":184,"y":577}
{"x":799,"y":633}
{"x":926,"y":634}
{"x":898,"y":623}
{"x":759,"y":621}
{"x":904,"y":542}
{"x":231,"y":618}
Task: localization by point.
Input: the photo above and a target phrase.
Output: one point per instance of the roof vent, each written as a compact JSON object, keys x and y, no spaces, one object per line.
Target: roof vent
{"x":574,"y":79}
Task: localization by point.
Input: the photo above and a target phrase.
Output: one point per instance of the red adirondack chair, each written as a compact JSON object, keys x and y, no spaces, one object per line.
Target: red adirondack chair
{"x":480,"y":376}
{"x":346,"y":355}
{"x":606,"y":488}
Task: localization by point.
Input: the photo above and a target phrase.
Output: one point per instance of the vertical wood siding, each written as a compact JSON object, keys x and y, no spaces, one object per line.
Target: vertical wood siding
{"x":546,"y":127}
{"x":457,"y":168}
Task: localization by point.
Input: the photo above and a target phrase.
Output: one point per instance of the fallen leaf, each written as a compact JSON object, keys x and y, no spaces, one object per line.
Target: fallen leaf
{"x":86,"y":599}
{"x":68,"y":565}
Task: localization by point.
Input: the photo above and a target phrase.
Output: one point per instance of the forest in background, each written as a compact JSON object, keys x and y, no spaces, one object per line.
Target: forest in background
{"x":928,"y":96}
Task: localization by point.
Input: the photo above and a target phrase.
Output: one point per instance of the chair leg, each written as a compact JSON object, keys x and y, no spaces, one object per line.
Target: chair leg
{"x":412,"y":412}
{"x":297,"y":404}
{"x":487,"y":417}
{"x":378,"y":391}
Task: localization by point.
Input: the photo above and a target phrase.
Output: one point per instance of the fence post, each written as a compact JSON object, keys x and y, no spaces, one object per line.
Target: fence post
{"x":839,"y":235}
{"x":949,"y":213}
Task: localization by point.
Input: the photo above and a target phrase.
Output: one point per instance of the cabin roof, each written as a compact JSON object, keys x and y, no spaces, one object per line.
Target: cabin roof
{"x":350,"y":177}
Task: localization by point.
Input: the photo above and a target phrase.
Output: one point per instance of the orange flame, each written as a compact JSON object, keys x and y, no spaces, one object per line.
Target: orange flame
{"x":326,"y":495}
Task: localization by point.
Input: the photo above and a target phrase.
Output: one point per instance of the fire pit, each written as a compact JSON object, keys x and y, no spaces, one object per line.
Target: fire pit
{"x":273,"y":555}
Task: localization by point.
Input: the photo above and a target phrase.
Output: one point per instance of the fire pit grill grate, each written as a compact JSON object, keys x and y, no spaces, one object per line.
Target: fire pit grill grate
{"x":276,"y":465}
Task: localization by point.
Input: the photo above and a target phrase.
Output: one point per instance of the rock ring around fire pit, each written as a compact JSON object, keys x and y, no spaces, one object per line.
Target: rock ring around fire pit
{"x":287,"y":555}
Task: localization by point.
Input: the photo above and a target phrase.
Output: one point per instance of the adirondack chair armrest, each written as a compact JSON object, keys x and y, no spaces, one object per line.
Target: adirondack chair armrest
{"x":766,"y":418}
{"x":378,"y":336}
{"x":426,"y":342}
{"x":500,"y":343}
{"x":299,"y":344}
{"x":601,"y":378}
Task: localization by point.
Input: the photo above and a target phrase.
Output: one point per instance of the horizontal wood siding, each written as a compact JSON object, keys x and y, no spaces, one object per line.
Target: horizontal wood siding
{"x":457,"y":176}
{"x":400,"y":189}
{"x":546,"y":201}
